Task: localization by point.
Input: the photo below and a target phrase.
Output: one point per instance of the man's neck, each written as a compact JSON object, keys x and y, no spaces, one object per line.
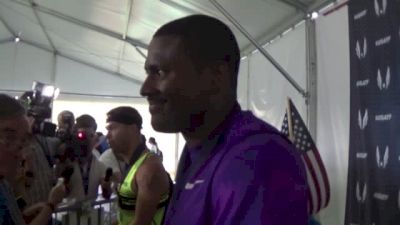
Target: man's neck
{"x":128,"y":152}
{"x":209,"y":122}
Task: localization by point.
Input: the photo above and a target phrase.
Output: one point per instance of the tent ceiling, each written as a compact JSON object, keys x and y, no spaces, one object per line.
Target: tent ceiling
{"x":108,"y":34}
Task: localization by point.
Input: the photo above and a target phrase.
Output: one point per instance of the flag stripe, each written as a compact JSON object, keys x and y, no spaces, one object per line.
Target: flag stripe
{"x":313,"y":176}
{"x":317,"y":170}
{"x":324,"y":177}
{"x":312,"y":192}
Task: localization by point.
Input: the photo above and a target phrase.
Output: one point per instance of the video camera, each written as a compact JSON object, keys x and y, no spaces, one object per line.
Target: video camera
{"x":39,"y":104}
{"x":74,"y":146}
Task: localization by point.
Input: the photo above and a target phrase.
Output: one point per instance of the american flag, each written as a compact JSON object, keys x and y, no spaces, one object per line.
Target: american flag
{"x":295,"y":129}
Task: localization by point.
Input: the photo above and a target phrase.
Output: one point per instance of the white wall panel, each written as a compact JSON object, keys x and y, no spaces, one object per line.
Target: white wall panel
{"x":268,"y":89}
{"x":334,"y":108}
{"x":242,"y":86}
{"x":21,"y":64}
{"x":76,"y":78}
{"x":7,"y":64}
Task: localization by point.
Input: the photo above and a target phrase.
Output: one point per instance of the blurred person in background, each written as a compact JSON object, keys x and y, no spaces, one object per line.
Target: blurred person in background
{"x":88,"y":172}
{"x":102,"y":143}
{"x":154,"y":148}
{"x":14,"y":137}
{"x":66,"y":121}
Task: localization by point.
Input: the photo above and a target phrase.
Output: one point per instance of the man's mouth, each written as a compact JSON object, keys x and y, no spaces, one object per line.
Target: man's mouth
{"x":156,"y":105}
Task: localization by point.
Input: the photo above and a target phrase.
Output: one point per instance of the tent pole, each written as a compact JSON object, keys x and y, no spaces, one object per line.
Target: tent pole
{"x":140,"y":52}
{"x":7,"y":27}
{"x":5,"y":41}
{"x":33,"y":4}
{"x":311,"y":65}
{"x":296,"y":4}
{"x":261,"y":49}
{"x":128,"y":17}
{"x":124,"y":34}
{"x":54,"y":72}
{"x":64,"y":94}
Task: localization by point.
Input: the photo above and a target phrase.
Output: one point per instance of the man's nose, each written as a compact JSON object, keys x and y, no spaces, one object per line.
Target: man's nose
{"x":148,"y":86}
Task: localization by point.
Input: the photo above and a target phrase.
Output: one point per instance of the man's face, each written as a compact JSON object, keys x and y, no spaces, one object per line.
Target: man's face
{"x":175,"y":90}
{"x":120,"y":135}
{"x":14,"y":135}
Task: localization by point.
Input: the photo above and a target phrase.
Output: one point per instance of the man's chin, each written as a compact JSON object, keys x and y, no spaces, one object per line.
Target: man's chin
{"x":163,"y":126}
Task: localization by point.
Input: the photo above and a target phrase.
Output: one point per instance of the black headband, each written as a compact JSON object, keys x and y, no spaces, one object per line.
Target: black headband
{"x":123,"y":118}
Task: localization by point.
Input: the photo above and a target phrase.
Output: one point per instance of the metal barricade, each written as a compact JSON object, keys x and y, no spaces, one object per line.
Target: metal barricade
{"x":89,"y":212}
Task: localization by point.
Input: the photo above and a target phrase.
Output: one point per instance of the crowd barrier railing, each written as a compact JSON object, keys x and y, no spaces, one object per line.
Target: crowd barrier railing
{"x":87,"y":212}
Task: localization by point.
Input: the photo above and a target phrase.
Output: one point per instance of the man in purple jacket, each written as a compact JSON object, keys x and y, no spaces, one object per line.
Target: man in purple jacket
{"x":235,"y":168}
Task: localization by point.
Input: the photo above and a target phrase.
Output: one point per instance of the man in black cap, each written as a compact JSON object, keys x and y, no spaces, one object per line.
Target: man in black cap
{"x":144,"y":191}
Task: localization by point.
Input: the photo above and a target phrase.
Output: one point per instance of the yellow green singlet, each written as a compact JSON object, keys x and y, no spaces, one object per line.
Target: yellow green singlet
{"x":127,"y":199}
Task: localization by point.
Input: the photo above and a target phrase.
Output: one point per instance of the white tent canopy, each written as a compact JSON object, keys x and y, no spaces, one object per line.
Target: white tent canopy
{"x":94,"y":51}
{"x":113,"y":35}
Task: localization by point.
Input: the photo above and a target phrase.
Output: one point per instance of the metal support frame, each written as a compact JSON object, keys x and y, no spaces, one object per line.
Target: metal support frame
{"x":140,"y":52}
{"x":83,"y":63}
{"x":311,"y":61}
{"x":128,"y":17}
{"x":285,"y":25}
{"x":54,"y":69}
{"x":261,"y":49}
{"x":54,"y":49}
{"x":5,"y":41}
{"x":275,"y":32}
{"x":179,"y":6}
{"x":120,"y":55}
{"x":84,"y":24}
{"x":320,"y":4}
{"x":33,"y":4}
{"x":7,"y":26}
{"x":124,"y":34}
{"x":296,"y":4}
{"x":100,"y":95}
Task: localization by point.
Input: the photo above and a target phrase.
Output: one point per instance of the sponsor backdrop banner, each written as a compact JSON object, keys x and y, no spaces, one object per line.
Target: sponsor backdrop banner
{"x":373,"y":190}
